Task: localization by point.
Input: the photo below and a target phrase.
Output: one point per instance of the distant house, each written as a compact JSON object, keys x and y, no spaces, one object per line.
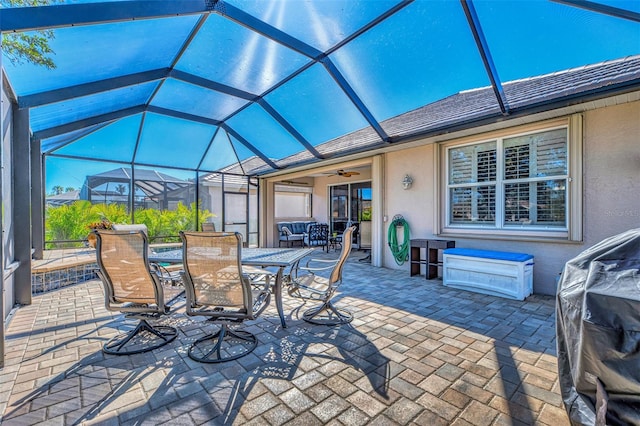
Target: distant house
{"x":63,"y":198}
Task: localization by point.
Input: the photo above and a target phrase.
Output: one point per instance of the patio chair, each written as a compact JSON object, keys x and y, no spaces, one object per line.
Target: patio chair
{"x":208,"y":227}
{"x":317,"y":236}
{"x":132,"y":288}
{"x":216,"y":288}
{"x":128,"y":227}
{"x":168,"y":278}
{"x":289,"y":237}
{"x":306,"y":284}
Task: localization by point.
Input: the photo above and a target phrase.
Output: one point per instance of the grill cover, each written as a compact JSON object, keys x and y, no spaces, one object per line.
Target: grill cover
{"x":598,"y":333}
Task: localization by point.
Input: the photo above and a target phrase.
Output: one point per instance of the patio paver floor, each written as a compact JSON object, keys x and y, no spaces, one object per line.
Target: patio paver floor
{"x":416,"y":353}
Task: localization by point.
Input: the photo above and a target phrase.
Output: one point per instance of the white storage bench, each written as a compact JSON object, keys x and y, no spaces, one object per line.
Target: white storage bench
{"x":498,"y":273}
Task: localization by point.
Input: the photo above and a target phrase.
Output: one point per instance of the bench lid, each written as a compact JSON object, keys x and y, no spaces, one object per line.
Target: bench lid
{"x":490,"y":254}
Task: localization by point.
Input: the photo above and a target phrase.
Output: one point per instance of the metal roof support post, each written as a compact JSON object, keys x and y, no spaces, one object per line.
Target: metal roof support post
{"x":202,"y":82}
{"x":132,"y":192}
{"x":37,"y":200}
{"x":602,"y":8}
{"x":41,"y":17}
{"x":197,"y":199}
{"x":284,"y":123}
{"x":21,"y":159}
{"x":355,"y":99}
{"x":132,"y":180}
{"x":250,"y":147}
{"x":485,"y":54}
{"x":86,"y":89}
{"x":2,"y":153}
{"x":87,"y":122}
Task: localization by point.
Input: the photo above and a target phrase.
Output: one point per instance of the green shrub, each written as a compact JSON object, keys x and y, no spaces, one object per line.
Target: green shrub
{"x":165,"y":225}
{"x":365,"y":215}
{"x":72,"y":222}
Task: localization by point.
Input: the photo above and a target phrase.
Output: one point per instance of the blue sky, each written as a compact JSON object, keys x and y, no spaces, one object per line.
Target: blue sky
{"x":421,"y":54}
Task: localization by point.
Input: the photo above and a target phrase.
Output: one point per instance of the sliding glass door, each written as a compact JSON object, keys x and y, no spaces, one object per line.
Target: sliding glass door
{"x":339,"y":208}
{"x":351,"y":204}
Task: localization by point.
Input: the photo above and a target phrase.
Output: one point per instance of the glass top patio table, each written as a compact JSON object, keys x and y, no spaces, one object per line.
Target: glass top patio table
{"x":261,"y":257}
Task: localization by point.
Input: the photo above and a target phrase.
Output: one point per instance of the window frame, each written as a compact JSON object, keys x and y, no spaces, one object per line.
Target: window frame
{"x":498,"y":229}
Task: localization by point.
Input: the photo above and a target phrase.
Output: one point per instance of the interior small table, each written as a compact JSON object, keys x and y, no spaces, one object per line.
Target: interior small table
{"x":431,"y":261}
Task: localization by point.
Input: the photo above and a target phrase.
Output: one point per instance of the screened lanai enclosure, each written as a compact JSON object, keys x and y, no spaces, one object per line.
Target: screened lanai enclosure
{"x":176,"y":113}
{"x":216,"y":94}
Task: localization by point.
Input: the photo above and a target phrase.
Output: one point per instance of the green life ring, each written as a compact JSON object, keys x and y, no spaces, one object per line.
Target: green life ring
{"x":400,"y":251}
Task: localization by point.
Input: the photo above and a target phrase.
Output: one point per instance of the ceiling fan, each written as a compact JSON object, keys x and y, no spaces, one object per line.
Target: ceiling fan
{"x":345,"y":173}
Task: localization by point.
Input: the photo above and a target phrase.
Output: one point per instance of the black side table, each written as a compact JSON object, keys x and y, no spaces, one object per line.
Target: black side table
{"x":431,"y":261}
{"x":335,"y":242}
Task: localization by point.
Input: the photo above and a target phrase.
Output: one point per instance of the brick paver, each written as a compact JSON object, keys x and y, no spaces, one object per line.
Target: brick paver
{"x":416,"y":353}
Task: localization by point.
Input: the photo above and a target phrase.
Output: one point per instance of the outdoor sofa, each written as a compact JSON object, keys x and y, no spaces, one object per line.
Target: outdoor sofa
{"x":291,"y":233}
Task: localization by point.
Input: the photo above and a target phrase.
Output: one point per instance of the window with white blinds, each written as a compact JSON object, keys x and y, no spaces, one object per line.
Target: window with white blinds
{"x":472,"y":183}
{"x":512,"y":183}
{"x":535,"y":173}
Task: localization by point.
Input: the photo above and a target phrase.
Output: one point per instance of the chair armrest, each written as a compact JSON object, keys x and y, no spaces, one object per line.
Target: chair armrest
{"x":306,"y":268}
{"x":166,"y":277}
{"x":328,"y":263}
{"x":172,"y":282}
{"x":311,"y":291}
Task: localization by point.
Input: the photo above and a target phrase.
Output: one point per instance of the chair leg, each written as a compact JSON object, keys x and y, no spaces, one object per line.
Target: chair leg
{"x":143,"y":338}
{"x":327,"y":314}
{"x":225,"y":345}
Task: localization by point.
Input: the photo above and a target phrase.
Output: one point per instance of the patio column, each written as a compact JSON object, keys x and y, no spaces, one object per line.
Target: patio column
{"x":377,"y":210}
{"x":21,"y":159}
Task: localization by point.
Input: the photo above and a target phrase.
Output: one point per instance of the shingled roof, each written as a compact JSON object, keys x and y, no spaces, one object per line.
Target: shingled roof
{"x":474,"y":107}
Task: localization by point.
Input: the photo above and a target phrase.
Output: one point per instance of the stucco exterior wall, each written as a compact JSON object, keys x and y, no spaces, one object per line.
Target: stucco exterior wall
{"x":320,"y":211}
{"x":611,"y":193}
{"x":611,"y":171}
{"x":414,"y":204}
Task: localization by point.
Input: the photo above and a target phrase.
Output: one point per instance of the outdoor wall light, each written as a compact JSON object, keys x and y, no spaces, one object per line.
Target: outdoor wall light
{"x":406,"y":182}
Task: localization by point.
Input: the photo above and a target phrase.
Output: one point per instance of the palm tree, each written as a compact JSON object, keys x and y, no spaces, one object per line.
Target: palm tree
{"x":121,"y":189}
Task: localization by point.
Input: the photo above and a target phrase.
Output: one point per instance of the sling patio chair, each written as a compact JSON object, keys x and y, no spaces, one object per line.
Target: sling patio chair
{"x":168,"y":278}
{"x":131,"y":287}
{"x":216,"y":287}
{"x":307,"y":285}
{"x":208,"y":227}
